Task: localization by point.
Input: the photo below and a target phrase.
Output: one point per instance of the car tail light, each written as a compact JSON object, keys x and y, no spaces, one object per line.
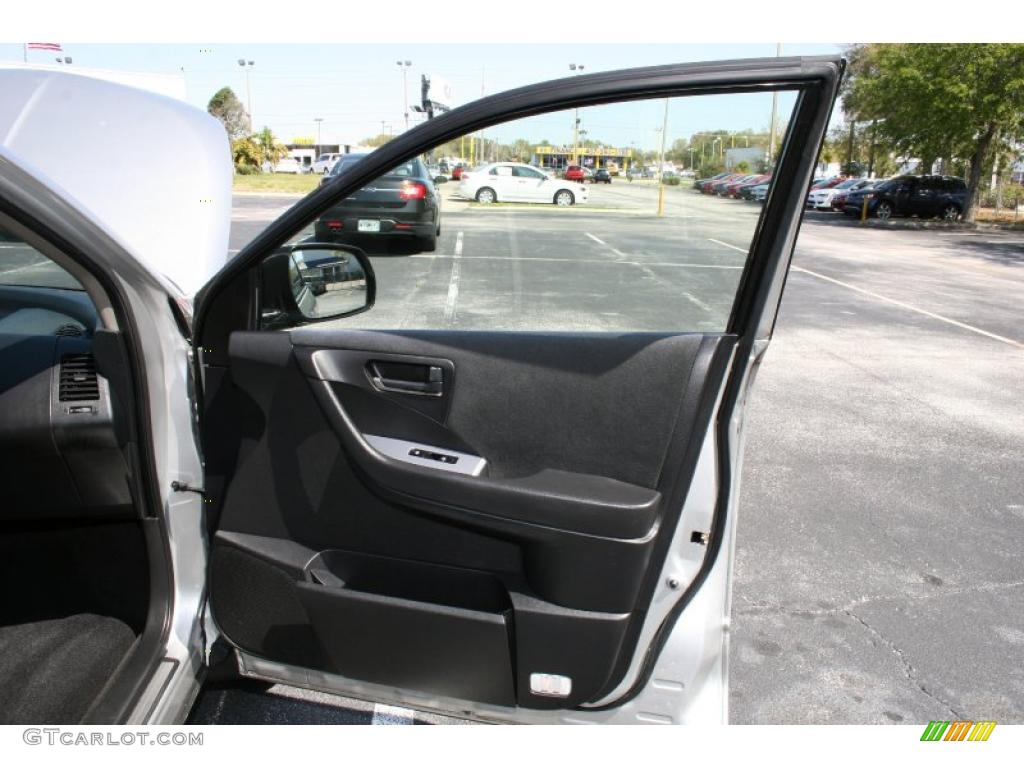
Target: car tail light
{"x":403,"y":226}
{"x":335,"y":224}
{"x":412,"y":190}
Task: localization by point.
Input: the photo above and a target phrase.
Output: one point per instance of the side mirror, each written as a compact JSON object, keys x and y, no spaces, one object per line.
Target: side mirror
{"x":310,"y":282}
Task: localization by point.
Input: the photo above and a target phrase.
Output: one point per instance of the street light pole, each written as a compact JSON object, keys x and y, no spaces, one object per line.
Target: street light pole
{"x":247,"y":65}
{"x":661,"y":164}
{"x":578,"y":69}
{"x":318,"y":121}
{"x":775,"y":109}
{"x":405,"y":64}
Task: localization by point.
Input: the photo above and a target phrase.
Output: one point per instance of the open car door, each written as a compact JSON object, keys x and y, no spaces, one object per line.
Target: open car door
{"x":520,"y":509}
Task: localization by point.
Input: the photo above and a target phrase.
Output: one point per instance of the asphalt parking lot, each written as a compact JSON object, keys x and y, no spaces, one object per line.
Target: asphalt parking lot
{"x":882,"y":510}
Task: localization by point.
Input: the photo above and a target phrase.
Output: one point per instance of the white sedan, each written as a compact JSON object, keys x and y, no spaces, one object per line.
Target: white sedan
{"x":518,"y":183}
{"x":821,"y":199}
{"x":289,"y":165}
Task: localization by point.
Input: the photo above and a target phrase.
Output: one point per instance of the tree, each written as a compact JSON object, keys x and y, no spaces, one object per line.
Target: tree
{"x":270,"y":148}
{"x":226,"y":107}
{"x":940,"y":100}
{"x":376,"y":141}
{"x":246,"y":154}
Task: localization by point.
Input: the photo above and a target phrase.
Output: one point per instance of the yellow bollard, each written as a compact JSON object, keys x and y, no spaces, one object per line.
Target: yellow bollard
{"x":661,"y":199}
{"x":864,"y":211}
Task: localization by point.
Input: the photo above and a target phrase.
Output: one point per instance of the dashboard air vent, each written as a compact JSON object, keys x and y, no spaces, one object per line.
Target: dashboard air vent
{"x":78,"y":378}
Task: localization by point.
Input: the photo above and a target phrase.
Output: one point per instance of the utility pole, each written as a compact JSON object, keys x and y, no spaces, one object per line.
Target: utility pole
{"x":661,"y":164}
{"x":775,"y":110}
{"x":318,"y":121}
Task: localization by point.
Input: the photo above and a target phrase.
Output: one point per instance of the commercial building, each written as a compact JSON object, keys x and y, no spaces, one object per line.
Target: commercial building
{"x":558,"y":158}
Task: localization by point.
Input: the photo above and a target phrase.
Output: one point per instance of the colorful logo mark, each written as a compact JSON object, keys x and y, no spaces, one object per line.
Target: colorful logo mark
{"x":958,"y":730}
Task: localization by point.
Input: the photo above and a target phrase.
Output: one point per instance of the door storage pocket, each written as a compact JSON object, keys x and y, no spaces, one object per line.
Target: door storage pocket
{"x":444,"y":631}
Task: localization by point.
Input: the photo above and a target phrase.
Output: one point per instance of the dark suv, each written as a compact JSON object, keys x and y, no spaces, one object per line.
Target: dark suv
{"x":924,"y":196}
{"x":402,"y":204}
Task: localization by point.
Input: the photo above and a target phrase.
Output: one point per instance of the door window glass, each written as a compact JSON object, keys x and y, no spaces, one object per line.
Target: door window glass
{"x":660,"y":251}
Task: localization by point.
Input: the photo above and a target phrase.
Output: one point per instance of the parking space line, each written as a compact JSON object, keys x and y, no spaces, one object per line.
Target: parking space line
{"x":23,"y":267}
{"x":911,"y":308}
{"x":894,"y":302}
{"x":595,"y":239}
{"x":633,"y":262}
{"x":729,"y":245}
{"x":453,"y":284}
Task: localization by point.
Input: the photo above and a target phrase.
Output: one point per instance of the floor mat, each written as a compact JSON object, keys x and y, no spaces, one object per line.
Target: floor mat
{"x":50,"y":671}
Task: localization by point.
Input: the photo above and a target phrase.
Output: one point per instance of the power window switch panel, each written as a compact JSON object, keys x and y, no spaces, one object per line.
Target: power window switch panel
{"x":543,"y":684}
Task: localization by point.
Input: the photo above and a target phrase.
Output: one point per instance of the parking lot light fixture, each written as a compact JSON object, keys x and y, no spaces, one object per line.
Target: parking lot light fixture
{"x":405,"y":64}
{"x":661,"y":163}
{"x":578,"y":69}
{"x":247,"y":64}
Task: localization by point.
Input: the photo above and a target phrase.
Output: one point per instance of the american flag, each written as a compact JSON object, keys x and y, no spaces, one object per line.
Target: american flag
{"x":43,"y":46}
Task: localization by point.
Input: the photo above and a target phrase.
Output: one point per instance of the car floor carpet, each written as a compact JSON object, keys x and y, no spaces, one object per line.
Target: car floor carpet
{"x":50,"y":671}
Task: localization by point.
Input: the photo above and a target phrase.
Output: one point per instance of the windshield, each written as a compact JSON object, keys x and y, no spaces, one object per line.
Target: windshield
{"x":21,"y":264}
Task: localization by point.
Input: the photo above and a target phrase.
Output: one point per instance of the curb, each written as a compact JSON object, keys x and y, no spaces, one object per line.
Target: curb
{"x":269,"y":194}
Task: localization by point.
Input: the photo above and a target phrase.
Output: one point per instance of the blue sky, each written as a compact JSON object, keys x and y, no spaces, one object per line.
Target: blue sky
{"x":354,"y":87}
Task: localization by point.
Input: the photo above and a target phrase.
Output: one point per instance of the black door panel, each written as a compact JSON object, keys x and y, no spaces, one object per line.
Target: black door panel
{"x":565,"y":536}
{"x":534,"y":401}
{"x":477,"y":514}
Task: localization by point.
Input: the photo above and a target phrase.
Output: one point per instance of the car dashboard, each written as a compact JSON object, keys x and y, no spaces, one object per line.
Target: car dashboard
{"x":60,"y":447}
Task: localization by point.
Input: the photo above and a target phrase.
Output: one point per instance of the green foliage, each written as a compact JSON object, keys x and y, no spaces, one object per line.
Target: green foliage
{"x":377,"y":141}
{"x":227,"y":108}
{"x":250,"y":153}
{"x":710,"y":168}
{"x":742,"y":167}
{"x":1007,"y":195}
{"x":271,"y":149}
{"x":954,"y":101}
{"x":246,"y":154}
{"x":672,"y":181}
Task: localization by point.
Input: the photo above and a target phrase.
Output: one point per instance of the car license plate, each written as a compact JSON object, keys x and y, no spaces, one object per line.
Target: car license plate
{"x":369,"y":225}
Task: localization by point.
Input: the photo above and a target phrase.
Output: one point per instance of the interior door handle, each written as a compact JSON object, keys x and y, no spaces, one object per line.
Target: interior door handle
{"x":432,"y":384}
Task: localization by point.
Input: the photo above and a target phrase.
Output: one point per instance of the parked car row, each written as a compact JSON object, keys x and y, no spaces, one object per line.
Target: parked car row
{"x":739,"y":186}
{"x":923,"y":196}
